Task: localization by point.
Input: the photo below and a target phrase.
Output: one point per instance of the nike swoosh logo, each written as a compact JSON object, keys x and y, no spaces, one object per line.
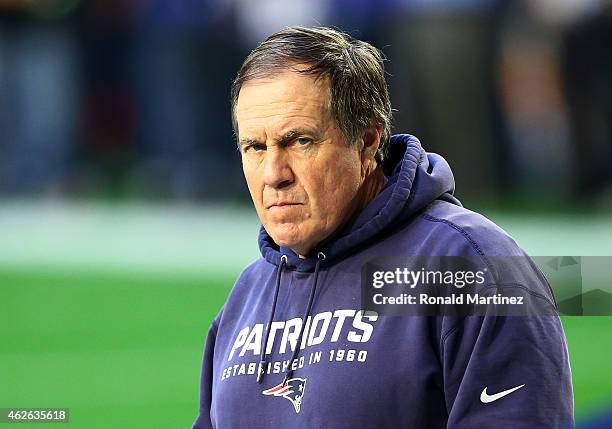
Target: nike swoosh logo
{"x":486,"y":398}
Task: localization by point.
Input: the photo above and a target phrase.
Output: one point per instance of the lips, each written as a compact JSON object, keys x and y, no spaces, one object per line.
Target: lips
{"x":285,"y":204}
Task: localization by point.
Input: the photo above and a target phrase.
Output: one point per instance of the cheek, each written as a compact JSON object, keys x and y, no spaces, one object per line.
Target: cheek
{"x":337,"y":191}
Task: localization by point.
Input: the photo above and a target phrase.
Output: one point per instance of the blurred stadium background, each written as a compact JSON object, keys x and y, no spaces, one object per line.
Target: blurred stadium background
{"x":124,"y":218}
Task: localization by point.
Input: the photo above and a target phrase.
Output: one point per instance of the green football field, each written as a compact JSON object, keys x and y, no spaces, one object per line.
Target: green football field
{"x":104,"y":310}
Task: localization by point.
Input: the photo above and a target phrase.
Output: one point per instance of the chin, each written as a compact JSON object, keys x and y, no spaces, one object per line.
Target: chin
{"x":287,"y":236}
{"x":285,"y":241}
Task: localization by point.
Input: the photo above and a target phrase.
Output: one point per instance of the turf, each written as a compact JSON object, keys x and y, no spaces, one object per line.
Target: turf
{"x":121,"y":351}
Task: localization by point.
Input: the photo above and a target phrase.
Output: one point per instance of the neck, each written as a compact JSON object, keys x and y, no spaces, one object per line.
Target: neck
{"x":372,"y":185}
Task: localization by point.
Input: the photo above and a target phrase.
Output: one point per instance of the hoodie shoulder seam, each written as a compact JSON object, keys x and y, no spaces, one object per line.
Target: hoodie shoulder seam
{"x":456,"y":227}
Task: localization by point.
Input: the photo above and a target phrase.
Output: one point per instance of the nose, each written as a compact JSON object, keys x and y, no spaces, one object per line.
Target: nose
{"x":277,"y":171}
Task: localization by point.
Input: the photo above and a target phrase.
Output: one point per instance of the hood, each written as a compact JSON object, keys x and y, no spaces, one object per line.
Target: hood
{"x":415,"y":179}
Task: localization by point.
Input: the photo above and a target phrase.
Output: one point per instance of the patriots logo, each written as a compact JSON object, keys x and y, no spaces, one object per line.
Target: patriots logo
{"x":293,"y":390}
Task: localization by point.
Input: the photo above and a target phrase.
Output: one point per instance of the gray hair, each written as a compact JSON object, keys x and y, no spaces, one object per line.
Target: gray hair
{"x":359,"y":94}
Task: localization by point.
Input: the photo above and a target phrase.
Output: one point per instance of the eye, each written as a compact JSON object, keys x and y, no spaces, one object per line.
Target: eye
{"x":302,"y":141}
{"x":254,"y":147}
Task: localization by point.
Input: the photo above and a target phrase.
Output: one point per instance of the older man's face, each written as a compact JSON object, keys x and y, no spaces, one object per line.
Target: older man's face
{"x":301,"y":174}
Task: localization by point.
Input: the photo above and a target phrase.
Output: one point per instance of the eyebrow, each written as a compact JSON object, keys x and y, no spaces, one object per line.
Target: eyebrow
{"x":282,"y":140}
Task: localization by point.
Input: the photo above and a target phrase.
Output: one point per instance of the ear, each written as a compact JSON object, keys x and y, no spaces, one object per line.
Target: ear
{"x":371,"y":141}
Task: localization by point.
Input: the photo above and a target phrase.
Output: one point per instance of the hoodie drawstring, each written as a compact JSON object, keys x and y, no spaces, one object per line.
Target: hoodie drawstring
{"x":262,"y":362}
{"x":289,"y":372}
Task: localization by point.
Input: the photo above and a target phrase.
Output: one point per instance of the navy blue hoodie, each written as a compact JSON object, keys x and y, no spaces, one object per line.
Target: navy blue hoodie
{"x":360,"y":369}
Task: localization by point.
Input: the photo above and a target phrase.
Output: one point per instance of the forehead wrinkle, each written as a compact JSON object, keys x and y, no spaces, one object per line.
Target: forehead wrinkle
{"x":269,"y":108}
{"x":286,"y":127}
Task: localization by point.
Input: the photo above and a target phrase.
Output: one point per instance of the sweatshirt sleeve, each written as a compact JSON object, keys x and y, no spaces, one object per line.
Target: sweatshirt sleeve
{"x":510,"y":371}
{"x":203,"y":420}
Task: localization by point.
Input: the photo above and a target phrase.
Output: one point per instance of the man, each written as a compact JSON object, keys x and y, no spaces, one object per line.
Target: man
{"x":293,"y":345}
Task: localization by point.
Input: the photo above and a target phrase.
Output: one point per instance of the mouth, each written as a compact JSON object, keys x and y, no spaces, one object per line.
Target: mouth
{"x":282,"y":205}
